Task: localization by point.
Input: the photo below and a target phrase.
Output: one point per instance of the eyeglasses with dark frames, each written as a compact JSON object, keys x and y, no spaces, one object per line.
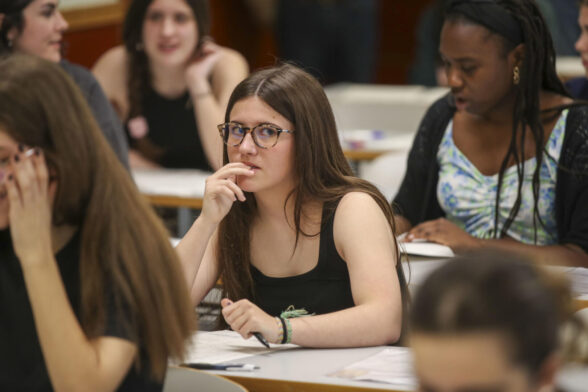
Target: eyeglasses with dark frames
{"x":263,"y":135}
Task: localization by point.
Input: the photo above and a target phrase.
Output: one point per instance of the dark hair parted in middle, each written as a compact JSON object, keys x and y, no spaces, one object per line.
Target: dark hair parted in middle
{"x":139,"y":76}
{"x":519,"y":22}
{"x":322,"y":172}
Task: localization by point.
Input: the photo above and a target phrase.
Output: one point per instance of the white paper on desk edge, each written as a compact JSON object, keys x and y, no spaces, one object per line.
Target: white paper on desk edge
{"x":226,"y":346}
{"x":392,"y":365}
{"x":429,"y":249}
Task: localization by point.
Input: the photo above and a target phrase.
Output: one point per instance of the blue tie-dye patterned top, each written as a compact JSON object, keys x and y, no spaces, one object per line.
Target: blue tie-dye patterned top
{"x":469,"y":198}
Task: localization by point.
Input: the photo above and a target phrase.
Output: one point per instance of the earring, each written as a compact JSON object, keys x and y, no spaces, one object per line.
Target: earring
{"x":516,"y":75}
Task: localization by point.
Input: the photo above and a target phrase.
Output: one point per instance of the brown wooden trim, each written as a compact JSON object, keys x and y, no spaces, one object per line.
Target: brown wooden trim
{"x":272,"y":385}
{"x":580,"y":304}
{"x":363,"y":155}
{"x":97,"y":16}
{"x":175,"y":201}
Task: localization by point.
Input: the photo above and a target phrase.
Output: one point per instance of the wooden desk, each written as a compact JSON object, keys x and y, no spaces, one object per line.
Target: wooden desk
{"x":363,"y":155}
{"x":172,"y":187}
{"x":176,"y":188}
{"x":175,"y":201}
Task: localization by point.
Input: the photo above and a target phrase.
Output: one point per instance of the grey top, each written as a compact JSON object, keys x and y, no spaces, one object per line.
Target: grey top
{"x":105,"y":116}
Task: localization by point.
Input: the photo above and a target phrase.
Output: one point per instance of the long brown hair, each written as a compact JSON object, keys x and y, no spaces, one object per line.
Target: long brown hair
{"x":124,"y":247}
{"x":138,"y":72}
{"x":322,"y":171}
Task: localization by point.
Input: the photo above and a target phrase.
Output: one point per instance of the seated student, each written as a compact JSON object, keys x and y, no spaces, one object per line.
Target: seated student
{"x":36,"y":27}
{"x":285,"y":225}
{"x":503,"y":160}
{"x":93,"y":296}
{"x":170,"y":83}
{"x":578,"y":87}
{"x":489,"y":322}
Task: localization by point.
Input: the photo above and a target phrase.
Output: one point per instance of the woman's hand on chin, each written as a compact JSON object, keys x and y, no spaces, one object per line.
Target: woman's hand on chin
{"x":221,"y":191}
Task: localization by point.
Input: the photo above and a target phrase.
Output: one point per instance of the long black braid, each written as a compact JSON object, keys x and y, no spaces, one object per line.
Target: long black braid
{"x":537,"y":73}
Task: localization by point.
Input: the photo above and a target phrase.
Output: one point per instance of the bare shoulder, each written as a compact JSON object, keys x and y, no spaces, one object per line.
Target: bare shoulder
{"x":111,"y":72}
{"x":357,"y":206}
{"x":113,"y":60}
{"x":232,"y":61}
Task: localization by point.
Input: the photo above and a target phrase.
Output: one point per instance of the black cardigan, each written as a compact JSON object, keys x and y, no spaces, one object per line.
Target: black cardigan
{"x":417,"y":198}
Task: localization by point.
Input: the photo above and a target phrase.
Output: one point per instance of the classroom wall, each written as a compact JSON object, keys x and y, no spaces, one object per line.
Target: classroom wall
{"x":100,"y":25}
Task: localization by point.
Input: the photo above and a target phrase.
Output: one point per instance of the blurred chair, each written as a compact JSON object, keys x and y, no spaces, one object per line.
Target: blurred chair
{"x":180,"y":379}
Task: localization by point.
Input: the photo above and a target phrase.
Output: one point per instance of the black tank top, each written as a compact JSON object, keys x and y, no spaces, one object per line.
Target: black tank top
{"x":172,"y":139}
{"x":324,"y":289}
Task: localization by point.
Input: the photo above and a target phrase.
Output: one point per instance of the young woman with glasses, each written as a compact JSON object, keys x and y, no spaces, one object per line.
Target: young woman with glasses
{"x":286,"y":226}
{"x":503,"y":160}
{"x":170,"y":83}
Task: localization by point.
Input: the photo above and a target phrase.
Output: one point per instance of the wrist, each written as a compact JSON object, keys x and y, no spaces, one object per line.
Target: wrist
{"x":199,"y":87}
{"x":205,"y":223}
{"x":279,"y":333}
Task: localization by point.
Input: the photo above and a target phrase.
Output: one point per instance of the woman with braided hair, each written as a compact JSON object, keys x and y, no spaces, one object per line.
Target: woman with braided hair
{"x":509,"y":148}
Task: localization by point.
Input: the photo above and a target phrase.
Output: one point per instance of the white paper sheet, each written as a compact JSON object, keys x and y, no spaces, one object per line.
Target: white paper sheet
{"x":392,"y":365}
{"x":226,"y":346}
{"x":425,"y":248}
{"x":579,"y":280}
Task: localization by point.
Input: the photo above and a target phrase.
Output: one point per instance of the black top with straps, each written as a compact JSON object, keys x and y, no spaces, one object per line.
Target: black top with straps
{"x":324,"y":289}
{"x":172,"y":139}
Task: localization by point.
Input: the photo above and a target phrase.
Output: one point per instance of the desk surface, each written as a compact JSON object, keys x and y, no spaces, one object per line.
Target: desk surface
{"x":304,"y":369}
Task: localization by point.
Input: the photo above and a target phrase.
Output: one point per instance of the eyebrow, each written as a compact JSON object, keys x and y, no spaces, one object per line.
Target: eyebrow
{"x":460,"y":59}
{"x":50,"y":4}
{"x":261,"y":123}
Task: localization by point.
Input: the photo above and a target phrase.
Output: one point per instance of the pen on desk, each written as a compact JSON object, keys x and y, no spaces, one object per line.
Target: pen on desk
{"x":245,"y":367}
{"x":261,"y":339}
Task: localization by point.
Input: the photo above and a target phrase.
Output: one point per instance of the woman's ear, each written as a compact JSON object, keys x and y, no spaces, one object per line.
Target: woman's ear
{"x":517,"y":55}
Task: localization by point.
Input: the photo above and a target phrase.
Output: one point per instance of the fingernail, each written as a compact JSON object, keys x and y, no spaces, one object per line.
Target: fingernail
{"x":20,"y":147}
{"x":229,"y":302}
{"x":16,"y":158}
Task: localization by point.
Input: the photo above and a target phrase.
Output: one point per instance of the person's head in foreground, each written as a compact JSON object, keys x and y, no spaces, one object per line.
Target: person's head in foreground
{"x":488,"y":322}
{"x":58,"y":177}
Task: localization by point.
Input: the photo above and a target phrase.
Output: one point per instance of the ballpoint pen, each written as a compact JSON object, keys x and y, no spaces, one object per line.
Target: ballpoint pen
{"x":245,"y":367}
{"x":261,"y":339}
